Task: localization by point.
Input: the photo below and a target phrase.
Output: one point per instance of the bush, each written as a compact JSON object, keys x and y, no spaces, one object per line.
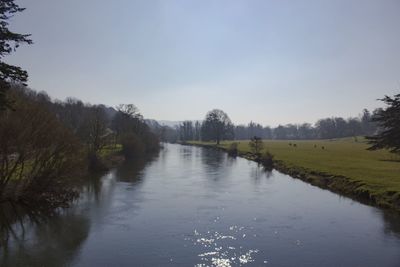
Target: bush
{"x":267,"y":160}
{"x":233,"y":149}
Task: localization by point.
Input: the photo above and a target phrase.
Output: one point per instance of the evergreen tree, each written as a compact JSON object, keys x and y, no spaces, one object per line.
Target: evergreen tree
{"x":9,"y":42}
{"x":256,"y":145}
{"x":388,"y":120}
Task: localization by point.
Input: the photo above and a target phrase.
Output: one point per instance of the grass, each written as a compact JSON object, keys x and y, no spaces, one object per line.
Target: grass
{"x":110,"y":150}
{"x":376,"y":172}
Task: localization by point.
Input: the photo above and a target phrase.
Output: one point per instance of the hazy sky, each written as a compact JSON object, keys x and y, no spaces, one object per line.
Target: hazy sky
{"x":267,"y":61}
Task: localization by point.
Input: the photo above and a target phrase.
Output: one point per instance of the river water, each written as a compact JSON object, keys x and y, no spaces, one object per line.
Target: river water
{"x":191,"y":206}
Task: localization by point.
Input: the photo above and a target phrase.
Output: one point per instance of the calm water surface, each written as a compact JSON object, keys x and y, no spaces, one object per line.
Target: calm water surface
{"x":191,"y":206}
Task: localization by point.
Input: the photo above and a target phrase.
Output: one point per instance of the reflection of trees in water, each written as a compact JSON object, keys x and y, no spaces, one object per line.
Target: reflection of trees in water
{"x":132,"y":170}
{"x":30,"y":238}
{"x":392,"y":223}
{"x":186,"y":152}
{"x":258,"y":172}
{"x":162,"y":154}
{"x":53,"y":238}
{"x":101,"y":185}
{"x":217,"y":166}
{"x":230,"y":161}
{"x":12,"y":223}
{"x":212,"y":159}
{"x":93,"y":186}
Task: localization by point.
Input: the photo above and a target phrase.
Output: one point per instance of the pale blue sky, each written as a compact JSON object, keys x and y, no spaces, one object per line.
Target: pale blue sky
{"x":267,"y":61}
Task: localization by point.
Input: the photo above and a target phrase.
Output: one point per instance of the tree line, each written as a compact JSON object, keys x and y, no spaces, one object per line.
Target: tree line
{"x":381,"y":129}
{"x":45,"y":142}
{"x":327,"y":128}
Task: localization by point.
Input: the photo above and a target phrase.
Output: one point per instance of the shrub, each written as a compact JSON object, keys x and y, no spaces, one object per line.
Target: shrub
{"x":256,"y":145}
{"x":267,"y":160}
{"x":233,"y":149}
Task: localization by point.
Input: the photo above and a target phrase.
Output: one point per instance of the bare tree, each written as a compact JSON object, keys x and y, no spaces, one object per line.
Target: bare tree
{"x":95,"y":134}
{"x":217,"y":126}
{"x":36,"y":151}
{"x":186,"y":131}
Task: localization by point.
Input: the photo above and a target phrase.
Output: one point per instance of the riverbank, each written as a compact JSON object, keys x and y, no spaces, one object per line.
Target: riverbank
{"x":111,"y":156}
{"x":60,"y":192}
{"x":343,"y":166}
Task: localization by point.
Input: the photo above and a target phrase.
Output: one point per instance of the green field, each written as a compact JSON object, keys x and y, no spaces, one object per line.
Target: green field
{"x":377,"y":172}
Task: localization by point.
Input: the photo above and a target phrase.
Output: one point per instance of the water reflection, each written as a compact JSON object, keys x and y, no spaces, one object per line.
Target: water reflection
{"x":258,"y":172}
{"x":212,"y":160}
{"x":54,"y":238}
{"x":132,"y":171}
{"x":186,"y":153}
{"x":36,"y":239}
{"x":392,"y":223}
{"x":190,"y":206}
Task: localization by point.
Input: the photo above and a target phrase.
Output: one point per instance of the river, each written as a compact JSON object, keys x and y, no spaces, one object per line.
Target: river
{"x":190,"y":206}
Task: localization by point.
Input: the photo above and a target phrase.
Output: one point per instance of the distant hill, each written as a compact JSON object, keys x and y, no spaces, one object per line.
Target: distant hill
{"x":110,"y":111}
{"x":153,"y":124}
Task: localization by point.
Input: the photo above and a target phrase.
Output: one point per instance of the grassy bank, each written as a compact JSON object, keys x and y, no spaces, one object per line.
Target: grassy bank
{"x":343,"y":166}
{"x":111,"y":155}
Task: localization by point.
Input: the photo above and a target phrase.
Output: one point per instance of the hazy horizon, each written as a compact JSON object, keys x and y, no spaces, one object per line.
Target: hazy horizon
{"x":269,"y":62}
